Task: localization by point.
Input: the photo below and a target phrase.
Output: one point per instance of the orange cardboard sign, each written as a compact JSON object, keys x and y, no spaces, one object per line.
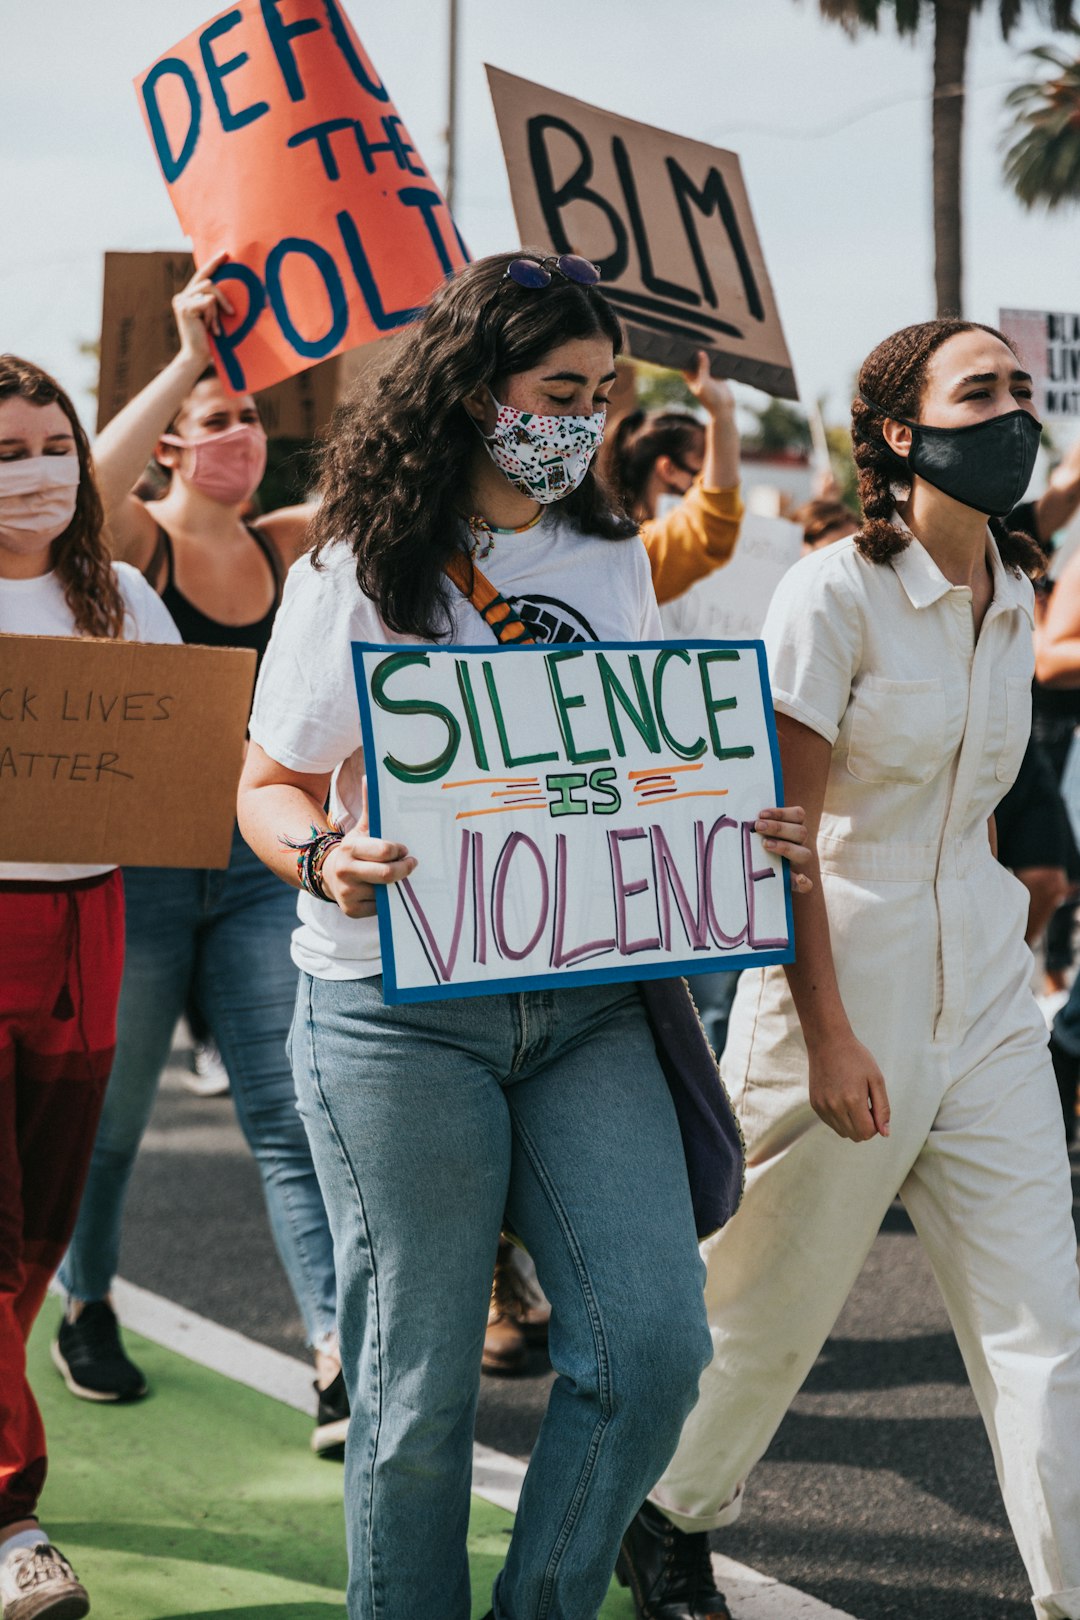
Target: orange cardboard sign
{"x":280,"y":145}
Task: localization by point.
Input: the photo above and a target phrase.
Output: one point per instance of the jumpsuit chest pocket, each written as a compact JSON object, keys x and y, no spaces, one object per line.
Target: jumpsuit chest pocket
{"x":1017,"y":727}
{"x":897,"y":731}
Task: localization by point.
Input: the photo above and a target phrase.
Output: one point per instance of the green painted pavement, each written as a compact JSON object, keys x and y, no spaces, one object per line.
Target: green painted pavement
{"x":205,"y":1499}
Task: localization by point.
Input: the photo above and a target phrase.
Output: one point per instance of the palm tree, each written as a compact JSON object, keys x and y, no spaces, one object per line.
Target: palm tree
{"x":952,"y":26}
{"x":1043,"y":163}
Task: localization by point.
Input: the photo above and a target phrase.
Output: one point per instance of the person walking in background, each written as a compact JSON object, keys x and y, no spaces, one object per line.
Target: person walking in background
{"x":432,"y":1124}
{"x":61,"y":951}
{"x":901,"y":664}
{"x":219,"y":937}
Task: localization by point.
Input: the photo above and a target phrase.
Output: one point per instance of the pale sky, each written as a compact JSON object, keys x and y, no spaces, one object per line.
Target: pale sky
{"x":833,"y":135}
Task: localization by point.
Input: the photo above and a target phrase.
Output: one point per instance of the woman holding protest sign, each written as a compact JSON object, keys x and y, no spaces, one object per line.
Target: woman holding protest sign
{"x":219,"y":937}
{"x":61,"y":946}
{"x":432,"y":1122}
{"x":901,"y":663}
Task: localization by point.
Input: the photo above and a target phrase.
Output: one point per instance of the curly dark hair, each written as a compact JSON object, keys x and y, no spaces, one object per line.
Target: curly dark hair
{"x":80,"y":556}
{"x":395,"y":466}
{"x":892,"y":376}
{"x":639,"y":440}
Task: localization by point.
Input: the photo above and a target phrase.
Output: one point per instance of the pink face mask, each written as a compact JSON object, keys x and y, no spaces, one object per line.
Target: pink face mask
{"x":37,"y":501}
{"x":227,"y":467}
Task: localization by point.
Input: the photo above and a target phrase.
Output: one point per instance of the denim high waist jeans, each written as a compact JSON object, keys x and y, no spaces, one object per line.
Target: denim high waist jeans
{"x":431,"y":1125}
{"x":223,"y":936}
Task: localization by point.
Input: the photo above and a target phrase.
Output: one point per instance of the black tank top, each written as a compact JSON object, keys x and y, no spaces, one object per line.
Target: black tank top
{"x":199,"y":628}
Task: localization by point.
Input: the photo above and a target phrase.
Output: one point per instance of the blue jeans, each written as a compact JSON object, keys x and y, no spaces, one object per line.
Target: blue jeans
{"x":223,"y":936}
{"x":431,"y":1125}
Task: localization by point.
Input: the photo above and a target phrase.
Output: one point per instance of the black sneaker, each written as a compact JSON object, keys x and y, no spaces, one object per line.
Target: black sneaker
{"x":332,"y":1422}
{"x":91,"y":1359}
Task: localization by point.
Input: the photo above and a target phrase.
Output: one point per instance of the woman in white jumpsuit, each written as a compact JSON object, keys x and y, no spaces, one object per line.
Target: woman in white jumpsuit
{"x":901,"y":662}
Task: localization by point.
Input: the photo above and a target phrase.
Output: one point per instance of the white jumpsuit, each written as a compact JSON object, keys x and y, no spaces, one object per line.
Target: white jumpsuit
{"x":928,"y":727}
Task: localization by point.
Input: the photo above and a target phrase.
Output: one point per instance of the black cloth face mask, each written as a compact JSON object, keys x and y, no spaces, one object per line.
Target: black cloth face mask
{"x":986,"y":466}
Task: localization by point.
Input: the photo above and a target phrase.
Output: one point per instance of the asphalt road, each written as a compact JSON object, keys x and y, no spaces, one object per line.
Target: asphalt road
{"x":878,"y":1494}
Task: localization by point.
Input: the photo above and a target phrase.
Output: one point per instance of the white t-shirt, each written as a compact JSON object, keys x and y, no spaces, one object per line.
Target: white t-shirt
{"x":37,"y":607}
{"x":567,"y":586}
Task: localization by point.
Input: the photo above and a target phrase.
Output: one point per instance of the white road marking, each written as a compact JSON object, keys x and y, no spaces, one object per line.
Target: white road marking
{"x":496,"y":1477}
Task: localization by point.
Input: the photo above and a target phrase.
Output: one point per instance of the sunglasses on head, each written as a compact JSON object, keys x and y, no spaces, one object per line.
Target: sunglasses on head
{"x":526,"y":272}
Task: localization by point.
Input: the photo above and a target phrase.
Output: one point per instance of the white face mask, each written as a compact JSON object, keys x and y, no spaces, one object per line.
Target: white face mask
{"x":545,"y":457}
{"x":37,"y":501}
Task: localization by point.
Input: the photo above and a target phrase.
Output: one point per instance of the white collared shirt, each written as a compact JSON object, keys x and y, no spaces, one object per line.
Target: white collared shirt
{"x":928,"y":728}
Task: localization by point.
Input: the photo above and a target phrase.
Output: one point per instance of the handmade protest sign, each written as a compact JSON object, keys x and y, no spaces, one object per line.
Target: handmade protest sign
{"x":1048,"y":343}
{"x":667,"y":220}
{"x":279,"y":144}
{"x":120,"y":752}
{"x":732,"y":602}
{"x":581,"y":815}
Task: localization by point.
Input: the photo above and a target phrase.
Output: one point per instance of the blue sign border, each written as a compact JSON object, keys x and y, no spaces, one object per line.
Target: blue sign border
{"x":566,"y":978}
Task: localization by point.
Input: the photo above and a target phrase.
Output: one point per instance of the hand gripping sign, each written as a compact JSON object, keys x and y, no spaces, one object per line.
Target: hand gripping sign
{"x":581,"y":815}
{"x":280,"y":145}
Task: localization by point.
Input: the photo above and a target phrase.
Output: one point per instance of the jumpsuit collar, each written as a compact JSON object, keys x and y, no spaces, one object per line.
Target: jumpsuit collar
{"x":925,"y":584}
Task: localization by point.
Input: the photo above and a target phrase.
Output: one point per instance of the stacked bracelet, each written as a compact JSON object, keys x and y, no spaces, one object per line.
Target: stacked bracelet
{"x":310,"y":856}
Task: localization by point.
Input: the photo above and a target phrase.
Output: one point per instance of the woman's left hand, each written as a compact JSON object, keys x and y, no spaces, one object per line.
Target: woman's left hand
{"x":783,"y":832}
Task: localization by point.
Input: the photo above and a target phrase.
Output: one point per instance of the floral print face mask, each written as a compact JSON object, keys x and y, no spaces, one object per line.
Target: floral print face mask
{"x":545,"y":457}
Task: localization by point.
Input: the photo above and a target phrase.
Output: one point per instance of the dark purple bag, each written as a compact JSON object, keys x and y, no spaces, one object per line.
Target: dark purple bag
{"x":712,"y":1140}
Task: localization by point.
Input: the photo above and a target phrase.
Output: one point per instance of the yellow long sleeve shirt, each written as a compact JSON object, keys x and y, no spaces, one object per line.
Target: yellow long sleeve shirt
{"x":692,"y":539}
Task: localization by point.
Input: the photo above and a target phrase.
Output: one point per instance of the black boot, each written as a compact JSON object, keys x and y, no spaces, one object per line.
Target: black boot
{"x":669,"y":1571}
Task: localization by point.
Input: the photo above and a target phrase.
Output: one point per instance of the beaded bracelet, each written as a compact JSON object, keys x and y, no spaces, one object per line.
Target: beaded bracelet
{"x":310,"y":856}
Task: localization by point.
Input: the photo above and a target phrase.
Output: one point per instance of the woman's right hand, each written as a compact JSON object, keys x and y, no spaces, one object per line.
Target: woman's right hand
{"x":353,"y":869}
{"x":198,"y":309}
{"x":847,"y":1089}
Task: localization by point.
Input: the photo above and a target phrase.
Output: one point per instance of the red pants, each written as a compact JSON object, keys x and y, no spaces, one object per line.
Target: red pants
{"x":61,"y":956}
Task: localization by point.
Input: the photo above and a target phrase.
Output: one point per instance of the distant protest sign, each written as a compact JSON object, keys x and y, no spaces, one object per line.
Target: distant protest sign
{"x":667,"y":220}
{"x":120,"y":752}
{"x":581,"y":815}
{"x":1048,"y":343}
{"x":732,"y":602}
{"x":280,"y":145}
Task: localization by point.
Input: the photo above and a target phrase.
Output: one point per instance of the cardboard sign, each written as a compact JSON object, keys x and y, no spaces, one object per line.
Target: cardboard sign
{"x":121,"y":752}
{"x":582,"y":815}
{"x":666,"y":219}
{"x":280,"y":145}
{"x":732,"y":602}
{"x":1048,"y":344}
{"x":139,"y":338}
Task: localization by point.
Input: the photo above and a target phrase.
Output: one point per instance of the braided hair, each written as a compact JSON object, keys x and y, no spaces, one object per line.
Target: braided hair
{"x":893,"y":375}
